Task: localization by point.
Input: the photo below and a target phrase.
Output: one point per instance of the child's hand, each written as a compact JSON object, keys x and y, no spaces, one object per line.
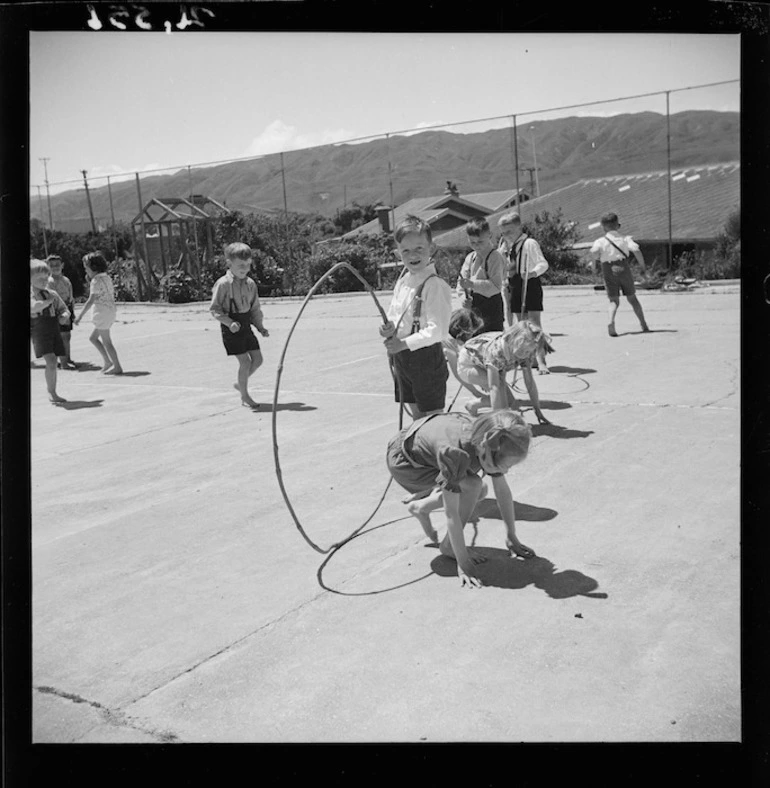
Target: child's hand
{"x":466,"y":284}
{"x":467,"y":303}
{"x":263,"y":331}
{"x":395,"y":345}
{"x":467,"y":574}
{"x":516,"y":548}
{"x":235,"y":327}
{"x":388,"y":330}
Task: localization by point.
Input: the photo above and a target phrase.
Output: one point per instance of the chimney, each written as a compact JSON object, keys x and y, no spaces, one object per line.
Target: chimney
{"x":383,"y":214}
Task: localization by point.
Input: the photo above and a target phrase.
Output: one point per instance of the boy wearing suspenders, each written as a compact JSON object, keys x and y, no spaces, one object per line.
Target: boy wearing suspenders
{"x":613,"y":252}
{"x":418,"y":322}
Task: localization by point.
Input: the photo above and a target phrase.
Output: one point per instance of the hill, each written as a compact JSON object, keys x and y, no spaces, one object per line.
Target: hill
{"x":567,"y":149}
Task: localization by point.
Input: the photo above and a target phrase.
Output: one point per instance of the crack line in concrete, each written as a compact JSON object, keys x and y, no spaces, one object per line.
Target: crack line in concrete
{"x":114,"y":717}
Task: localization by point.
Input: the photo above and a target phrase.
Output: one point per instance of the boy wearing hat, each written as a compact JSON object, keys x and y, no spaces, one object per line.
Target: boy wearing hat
{"x":613,"y":252}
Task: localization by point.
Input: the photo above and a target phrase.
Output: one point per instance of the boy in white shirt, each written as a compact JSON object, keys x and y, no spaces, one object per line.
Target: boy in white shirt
{"x":418,"y":322}
{"x":613,"y":253}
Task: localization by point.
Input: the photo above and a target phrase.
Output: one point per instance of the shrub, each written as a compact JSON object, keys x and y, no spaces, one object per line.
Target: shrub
{"x":178,"y":287}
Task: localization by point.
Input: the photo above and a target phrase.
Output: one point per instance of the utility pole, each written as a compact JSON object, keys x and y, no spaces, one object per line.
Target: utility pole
{"x":88,"y":197}
{"x":42,"y":223}
{"x":531,"y":170}
{"x":534,"y":156}
{"x":47,"y":190}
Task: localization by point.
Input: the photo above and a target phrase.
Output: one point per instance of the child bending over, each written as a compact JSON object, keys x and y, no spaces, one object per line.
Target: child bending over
{"x":418,"y":322}
{"x":235,"y":304}
{"x":444,"y":454}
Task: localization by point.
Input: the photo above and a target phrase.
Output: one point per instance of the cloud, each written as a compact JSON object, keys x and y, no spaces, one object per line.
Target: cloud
{"x":279,"y":136}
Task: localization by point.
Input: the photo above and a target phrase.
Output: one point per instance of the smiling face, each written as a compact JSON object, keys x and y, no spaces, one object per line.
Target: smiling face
{"x":239,"y":267}
{"x":56,"y":267}
{"x":415,"y":250}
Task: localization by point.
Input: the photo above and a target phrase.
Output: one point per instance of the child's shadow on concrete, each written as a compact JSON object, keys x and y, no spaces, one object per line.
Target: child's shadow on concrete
{"x":573,"y":370}
{"x":78,"y":404}
{"x":268,"y":408}
{"x":132,"y":374}
{"x":502,"y":571}
{"x":651,"y":331}
{"x":555,"y":431}
{"x":546,"y":404}
{"x":489,"y":509}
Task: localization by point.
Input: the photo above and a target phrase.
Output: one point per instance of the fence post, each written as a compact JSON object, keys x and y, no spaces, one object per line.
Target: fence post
{"x":112,"y":216}
{"x":152,"y":276}
{"x":670,"y":255}
{"x":42,"y":222}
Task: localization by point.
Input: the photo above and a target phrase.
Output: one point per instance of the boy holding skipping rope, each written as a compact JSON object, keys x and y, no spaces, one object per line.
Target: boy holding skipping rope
{"x":418,"y":322}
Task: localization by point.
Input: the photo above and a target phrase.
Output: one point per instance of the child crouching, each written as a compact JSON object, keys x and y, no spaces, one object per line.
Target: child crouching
{"x":444,"y":454}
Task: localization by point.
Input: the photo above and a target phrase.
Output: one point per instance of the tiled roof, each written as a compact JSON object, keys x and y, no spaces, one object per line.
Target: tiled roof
{"x":702,"y":198}
{"x":426,"y":208}
{"x":494,"y":201}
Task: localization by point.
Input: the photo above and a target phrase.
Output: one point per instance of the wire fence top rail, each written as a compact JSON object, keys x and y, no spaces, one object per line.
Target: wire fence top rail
{"x":381,"y":135}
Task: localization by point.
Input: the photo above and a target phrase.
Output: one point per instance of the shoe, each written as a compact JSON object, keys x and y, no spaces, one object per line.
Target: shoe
{"x":611,"y":330}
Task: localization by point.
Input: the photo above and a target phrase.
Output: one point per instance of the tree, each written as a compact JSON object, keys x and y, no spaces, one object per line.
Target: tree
{"x":348,"y":219}
{"x":557,"y":238}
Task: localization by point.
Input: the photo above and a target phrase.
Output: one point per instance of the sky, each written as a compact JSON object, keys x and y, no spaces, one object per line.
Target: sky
{"x":115,"y":103}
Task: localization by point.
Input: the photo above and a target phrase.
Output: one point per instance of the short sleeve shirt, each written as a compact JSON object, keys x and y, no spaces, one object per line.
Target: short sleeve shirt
{"x":103,"y":290}
{"x":441,"y":442}
{"x":608,"y":253}
{"x":490,"y":349}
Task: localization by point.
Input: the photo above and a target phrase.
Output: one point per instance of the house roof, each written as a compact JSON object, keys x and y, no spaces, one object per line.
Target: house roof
{"x":430,"y":209}
{"x":702,"y":197}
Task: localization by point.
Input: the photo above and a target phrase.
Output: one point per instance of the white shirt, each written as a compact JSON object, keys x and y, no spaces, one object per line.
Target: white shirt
{"x":532,"y":260}
{"x":607,"y":253}
{"x":435,"y":313}
{"x":483,"y":284}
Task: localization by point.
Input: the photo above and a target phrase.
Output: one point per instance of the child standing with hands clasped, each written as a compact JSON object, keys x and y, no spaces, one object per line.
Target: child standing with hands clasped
{"x":62,"y":285}
{"x":481,"y":278}
{"x":443,"y":454}
{"x":102,"y":299}
{"x":47,"y":311}
{"x":235,"y":304}
{"x":418,"y":322}
{"x":613,"y":253}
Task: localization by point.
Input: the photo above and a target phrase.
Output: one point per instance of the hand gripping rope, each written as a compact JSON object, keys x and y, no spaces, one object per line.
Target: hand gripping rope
{"x":279,"y":372}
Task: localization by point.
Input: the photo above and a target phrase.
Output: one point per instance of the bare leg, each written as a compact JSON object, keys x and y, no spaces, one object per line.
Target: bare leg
{"x":421,"y":510}
{"x":94,"y":340}
{"x":612,"y":310}
{"x":50,"y":377}
{"x":111,"y":352}
{"x":65,"y":361}
{"x":244,"y":370}
{"x":638,"y":311}
{"x":256,"y":361}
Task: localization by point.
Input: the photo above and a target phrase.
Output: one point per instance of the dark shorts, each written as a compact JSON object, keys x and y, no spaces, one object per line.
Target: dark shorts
{"x":46,"y":336}
{"x":618,"y":278}
{"x":423,"y":375}
{"x":534,"y":294}
{"x":242,"y":342}
{"x":490,"y":310}
{"x":403,"y":472}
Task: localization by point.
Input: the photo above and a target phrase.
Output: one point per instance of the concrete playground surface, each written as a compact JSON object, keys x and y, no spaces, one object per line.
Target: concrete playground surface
{"x":175,"y":600}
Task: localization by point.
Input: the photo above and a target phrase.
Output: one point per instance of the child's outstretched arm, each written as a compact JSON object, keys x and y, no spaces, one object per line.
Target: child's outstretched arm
{"x":529,"y":382}
{"x":86,"y":307}
{"x":498,"y":395}
{"x":508,"y":513}
{"x":451,"y":358}
{"x":465,"y":568}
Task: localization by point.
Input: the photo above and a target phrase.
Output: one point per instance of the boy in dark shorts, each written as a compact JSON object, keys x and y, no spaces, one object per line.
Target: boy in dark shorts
{"x":62,"y":285}
{"x":613,"y":253}
{"x":46,"y":311}
{"x":418,"y":318}
{"x":526,"y":264}
{"x":235,"y":304}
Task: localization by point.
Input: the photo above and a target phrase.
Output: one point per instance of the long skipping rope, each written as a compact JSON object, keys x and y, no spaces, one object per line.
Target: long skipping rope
{"x":279,"y":474}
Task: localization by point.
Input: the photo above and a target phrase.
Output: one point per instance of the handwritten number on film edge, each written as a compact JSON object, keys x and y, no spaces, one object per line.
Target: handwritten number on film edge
{"x":190,"y":16}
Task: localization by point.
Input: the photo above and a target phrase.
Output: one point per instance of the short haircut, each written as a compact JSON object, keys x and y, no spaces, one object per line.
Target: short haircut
{"x":412,"y":224}
{"x":38,"y":267}
{"x":504,"y":432}
{"x":53,"y":258}
{"x":610,"y":220}
{"x":509,"y":218}
{"x":463,"y":324}
{"x":477,"y":226}
{"x":238,"y":251}
{"x":95,"y":261}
